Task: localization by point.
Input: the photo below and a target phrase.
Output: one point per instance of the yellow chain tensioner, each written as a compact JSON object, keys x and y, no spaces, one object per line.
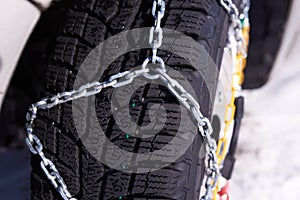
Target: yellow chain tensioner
{"x":236,"y":82}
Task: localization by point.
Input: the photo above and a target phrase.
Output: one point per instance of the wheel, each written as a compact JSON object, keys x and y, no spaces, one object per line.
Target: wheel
{"x":268,"y":19}
{"x":88,"y":23}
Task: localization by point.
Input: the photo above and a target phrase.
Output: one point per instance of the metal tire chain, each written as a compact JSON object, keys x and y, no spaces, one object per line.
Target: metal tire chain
{"x":235,"y":23}
{"x":204,"y":125}
{"x":187,"y":100}
{"x":241,"y":35}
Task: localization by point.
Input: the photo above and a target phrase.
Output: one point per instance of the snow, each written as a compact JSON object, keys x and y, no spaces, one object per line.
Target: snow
{"x":268,"y":160}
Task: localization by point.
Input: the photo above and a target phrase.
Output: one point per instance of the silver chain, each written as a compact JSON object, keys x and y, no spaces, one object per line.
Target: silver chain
{"x":35,"y":145}
{"x":156,"y":32}
{"x":235,"y":27}
{"x":125,"y":78}
{"x":186,"y":99}
{"x":118,"y":80}
{"x":246,"y":8}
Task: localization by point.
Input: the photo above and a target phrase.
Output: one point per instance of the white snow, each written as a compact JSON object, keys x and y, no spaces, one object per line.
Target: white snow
{"x":268,"y":157}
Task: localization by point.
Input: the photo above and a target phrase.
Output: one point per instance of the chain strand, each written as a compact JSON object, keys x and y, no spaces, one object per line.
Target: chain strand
{"x":241,"y":39}
{"x":156,"y":32}
{"x":35,"y":145}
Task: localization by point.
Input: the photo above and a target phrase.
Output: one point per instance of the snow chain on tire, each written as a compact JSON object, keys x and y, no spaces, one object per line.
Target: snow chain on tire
{"x":215,"y":156}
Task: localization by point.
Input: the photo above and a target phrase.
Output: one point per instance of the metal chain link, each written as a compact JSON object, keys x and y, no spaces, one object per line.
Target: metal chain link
{"x":235,"y":28}
{"x":156,"y":32}
{"x":125,"y":78}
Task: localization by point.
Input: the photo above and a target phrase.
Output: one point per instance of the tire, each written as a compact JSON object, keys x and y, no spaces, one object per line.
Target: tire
{"x":88,"y":23}
{"x":268,"y":19}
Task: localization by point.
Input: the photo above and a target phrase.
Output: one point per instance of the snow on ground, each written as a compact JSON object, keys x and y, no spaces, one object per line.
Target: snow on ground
{"x":268,"y":160}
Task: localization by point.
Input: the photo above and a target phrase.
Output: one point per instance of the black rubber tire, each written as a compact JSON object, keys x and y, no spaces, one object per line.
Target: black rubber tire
{"x":268,"y":19}
{"x":88,"y":23}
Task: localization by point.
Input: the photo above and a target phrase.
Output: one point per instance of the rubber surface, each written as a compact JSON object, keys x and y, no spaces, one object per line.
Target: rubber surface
{"x":268,"y":20}
{"x":88,"y":23}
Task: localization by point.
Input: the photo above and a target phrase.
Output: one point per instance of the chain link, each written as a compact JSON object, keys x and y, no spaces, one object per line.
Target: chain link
{"x":125,"y":78}
{"x":235,"y":28}
{"x":156,"y":32}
